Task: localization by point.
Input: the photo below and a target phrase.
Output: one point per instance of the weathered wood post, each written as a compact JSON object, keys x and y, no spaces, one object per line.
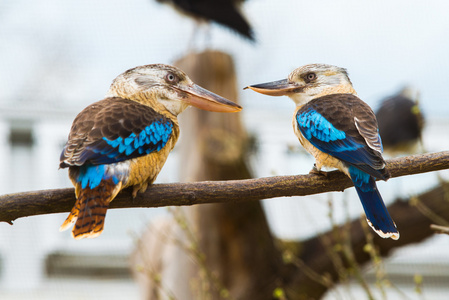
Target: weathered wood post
{"x":235,"y":238}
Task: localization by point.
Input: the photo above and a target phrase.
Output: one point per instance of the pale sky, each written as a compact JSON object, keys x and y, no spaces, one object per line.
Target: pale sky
{"x":67,"y":52}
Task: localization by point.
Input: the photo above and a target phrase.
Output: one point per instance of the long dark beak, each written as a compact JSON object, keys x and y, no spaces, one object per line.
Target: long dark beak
{"x":275,"y":88}
{"x":204,"y":99}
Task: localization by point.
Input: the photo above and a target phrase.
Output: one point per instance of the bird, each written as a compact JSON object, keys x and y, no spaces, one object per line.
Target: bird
{"x":224,"y":12}
{"x":401,"y":122}
{"x":124,"y":140}
{"x":340,"y":130}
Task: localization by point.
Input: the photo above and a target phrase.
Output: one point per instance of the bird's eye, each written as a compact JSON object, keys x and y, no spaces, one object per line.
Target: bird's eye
{"x":310,"y":77}
{"x":171,"y":78}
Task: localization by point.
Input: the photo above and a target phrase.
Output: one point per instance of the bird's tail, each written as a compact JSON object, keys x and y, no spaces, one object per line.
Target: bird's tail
{"x":376,"y":213}
{"x":90,"y":208}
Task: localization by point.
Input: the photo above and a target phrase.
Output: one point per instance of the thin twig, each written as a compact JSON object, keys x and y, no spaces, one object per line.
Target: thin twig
{"x":440,"y":229}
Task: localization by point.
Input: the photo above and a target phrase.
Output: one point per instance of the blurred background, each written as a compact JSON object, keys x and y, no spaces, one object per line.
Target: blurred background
{"x":56,"y":57}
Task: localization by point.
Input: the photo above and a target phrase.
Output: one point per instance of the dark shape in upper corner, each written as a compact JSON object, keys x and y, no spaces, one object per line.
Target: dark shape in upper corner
{"x":224,"y":12}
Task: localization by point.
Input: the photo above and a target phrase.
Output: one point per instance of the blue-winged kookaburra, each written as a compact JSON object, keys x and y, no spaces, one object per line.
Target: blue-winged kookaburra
{"x":123,"y":140}
{"x":340,"y":131}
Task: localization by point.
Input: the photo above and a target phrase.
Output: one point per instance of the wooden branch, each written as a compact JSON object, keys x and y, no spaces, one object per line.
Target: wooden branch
{"x":14,"y":206}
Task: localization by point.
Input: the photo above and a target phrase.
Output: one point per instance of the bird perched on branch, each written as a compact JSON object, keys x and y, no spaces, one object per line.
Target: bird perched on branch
{"x":400,"y":122}
{"x":224,"y":12}
{"x":124,"y":140}
{"x":340,"y":131}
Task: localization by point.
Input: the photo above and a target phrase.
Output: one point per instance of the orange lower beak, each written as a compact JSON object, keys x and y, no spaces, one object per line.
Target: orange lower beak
{"x":204,"y":99}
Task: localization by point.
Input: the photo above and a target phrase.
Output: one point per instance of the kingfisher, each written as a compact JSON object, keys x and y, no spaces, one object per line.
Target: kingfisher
{"x":124,"y":140}
{"x":340,"y":130}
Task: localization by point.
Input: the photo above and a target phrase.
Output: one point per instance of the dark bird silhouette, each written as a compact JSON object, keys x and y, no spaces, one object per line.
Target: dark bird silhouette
{"x":224,"y":12}
{"x":400,"y":123}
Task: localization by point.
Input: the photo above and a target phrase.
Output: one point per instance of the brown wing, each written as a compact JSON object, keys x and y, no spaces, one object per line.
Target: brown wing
{"x":345,"y":127}
{"x":113,"y":130}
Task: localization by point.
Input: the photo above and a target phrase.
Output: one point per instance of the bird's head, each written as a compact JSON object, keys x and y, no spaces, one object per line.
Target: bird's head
{"x":167,"y":87}
{"x":308,"y":82}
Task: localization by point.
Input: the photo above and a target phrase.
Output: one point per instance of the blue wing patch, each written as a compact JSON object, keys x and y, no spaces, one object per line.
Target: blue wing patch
{"x":152,"y":138}
{"x":155,"y":136}
{"x":316,"y":125}
{"x":323,"y":135}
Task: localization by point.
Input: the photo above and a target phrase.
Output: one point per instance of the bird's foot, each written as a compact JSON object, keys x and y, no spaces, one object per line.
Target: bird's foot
{"x":135,"y":192}
{"x":141,"y":188}
{"x":317,"y":172}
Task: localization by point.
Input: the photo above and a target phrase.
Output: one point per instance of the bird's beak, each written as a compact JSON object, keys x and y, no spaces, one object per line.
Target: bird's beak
{"x":202,"y":98}
{"x":276,"y":88}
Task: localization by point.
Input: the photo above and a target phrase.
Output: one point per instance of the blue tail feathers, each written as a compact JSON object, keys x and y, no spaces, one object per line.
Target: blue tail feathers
{"x":376,"y":213}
